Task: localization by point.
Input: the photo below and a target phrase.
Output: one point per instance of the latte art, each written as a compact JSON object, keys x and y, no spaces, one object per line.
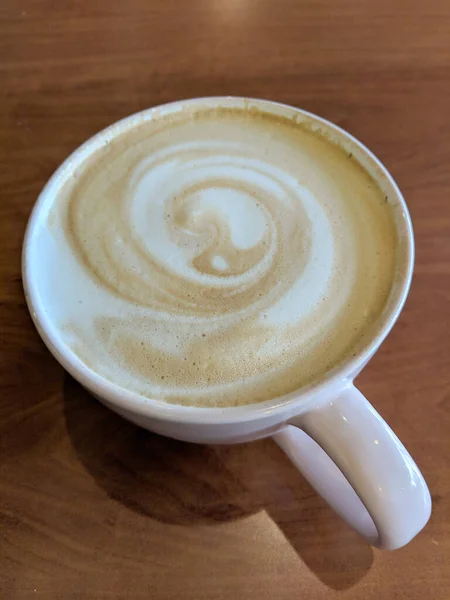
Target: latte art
{"x":209,"y":242}
{"x":219,"y":257}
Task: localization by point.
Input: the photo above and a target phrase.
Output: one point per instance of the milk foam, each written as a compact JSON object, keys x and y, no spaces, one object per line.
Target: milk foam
{"x":217,"y":258}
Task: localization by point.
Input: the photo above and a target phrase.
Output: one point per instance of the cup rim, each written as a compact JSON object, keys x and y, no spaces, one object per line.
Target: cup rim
{"x":294,"y":402}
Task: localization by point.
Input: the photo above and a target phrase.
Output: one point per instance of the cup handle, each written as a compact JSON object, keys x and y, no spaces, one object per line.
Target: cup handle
{"x":354,"y":460}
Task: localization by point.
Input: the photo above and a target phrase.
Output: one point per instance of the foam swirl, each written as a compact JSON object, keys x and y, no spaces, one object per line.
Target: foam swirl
{"x":230,"y":257}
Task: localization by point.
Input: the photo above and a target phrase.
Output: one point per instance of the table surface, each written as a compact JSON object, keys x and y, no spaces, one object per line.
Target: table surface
{"x":93,"y":507}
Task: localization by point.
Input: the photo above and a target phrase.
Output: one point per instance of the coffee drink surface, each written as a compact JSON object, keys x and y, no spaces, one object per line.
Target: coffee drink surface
{"x":217,"y":256}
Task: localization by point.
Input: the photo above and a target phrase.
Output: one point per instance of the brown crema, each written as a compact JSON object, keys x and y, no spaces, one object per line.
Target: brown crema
{"x":222,"y":256}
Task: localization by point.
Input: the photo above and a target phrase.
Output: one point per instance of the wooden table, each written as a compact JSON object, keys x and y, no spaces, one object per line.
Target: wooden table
{"x":91,"y":507}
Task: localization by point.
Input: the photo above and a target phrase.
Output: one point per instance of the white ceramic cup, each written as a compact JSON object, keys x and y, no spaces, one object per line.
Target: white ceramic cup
{"x":329,"y":430}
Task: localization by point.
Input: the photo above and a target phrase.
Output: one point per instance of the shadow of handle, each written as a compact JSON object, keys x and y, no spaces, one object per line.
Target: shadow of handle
{"x":355,"y":461}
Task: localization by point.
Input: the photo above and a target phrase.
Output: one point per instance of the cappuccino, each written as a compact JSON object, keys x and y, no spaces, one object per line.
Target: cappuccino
{"x":216,"y":256}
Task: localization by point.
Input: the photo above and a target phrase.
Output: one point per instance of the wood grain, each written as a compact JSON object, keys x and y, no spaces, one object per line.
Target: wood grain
{"x":92,"y":507}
